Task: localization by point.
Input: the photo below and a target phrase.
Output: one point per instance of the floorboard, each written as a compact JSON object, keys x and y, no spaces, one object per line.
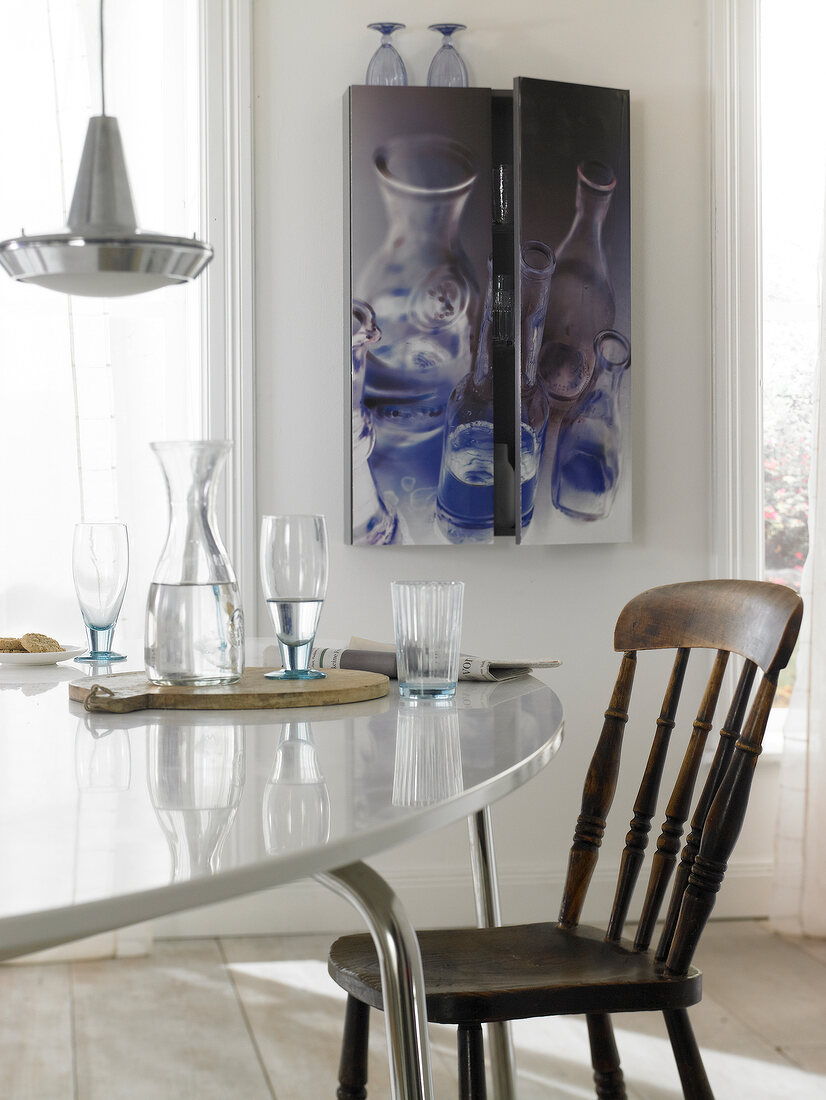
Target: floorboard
{"x":258,"y":1018}
{"x":165,"y":1027}
{"x":36,"y":1042}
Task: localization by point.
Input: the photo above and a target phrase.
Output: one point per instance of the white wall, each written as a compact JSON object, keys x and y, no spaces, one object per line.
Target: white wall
{"x":556,"y":601}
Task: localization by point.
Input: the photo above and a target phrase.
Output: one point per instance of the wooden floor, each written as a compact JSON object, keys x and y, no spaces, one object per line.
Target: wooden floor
{"x":259,"y":1018}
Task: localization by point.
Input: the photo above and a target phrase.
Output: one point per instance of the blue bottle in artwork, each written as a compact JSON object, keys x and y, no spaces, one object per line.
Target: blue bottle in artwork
{"x":533,"y":430}
{"x":464,"y":502}
{"x":589,"y":451}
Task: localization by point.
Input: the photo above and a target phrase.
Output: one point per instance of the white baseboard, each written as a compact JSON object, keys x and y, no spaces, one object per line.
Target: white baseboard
{"x":431,"y":898}
{"x":121,"y":944}
{"x":439,"y":898}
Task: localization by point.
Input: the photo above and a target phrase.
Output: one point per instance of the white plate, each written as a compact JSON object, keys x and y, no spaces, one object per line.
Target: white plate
{"x":53,"y":658}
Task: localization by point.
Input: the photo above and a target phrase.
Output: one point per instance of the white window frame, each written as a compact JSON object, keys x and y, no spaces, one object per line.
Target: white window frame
{"x":229,"y":334}
{"x":737,"y":497}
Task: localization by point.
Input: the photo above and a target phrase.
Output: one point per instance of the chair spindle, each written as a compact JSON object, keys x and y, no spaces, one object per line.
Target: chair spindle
{"x":679,"y":806}
{"x":723,"y":825}
{"x":636,"y":839}
{"x":722,"y":756}
{"x":597,"y":796}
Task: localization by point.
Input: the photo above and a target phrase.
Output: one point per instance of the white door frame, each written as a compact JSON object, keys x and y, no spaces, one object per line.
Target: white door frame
{"x":229,"y":334}
{"x":736,"y":288}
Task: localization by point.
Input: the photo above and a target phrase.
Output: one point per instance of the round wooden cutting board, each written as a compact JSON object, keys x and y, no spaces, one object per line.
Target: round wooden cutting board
{"x":127,"y":691}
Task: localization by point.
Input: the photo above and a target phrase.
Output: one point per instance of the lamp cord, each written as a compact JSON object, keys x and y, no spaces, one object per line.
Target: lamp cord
{"x":102,"y":80}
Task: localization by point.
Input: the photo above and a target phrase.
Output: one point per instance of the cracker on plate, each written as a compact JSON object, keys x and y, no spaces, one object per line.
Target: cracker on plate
{"x":39,"y":643}
{"x":11,"y":645}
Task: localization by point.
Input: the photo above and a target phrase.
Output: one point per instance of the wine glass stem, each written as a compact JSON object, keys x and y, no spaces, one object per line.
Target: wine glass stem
{"x":295,"y":658}
{"x":100,"y":638}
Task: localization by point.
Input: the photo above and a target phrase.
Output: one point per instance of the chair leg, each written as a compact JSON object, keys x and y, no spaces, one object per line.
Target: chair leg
{"x":352,"y":1069}
{"x":687,"y":1055}
{"x":605,"y":1058}
{"x":472,"y":1084}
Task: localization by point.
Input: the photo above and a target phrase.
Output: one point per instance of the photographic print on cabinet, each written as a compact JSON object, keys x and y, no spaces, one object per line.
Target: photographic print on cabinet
{"x":573,"y":197}
{"x":419,"y":274}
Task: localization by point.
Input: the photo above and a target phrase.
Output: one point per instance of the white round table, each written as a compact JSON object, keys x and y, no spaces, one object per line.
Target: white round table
{"x":108,"y":820}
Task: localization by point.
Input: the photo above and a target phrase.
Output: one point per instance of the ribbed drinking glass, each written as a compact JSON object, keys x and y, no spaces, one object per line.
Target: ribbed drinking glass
{"x":427,"y":616}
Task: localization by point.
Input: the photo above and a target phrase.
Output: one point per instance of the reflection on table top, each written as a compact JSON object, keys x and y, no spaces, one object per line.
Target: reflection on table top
{"x":177,"y":808}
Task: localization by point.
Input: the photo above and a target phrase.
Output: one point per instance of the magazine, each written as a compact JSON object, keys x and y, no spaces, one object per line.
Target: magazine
{"x":369,"y":656}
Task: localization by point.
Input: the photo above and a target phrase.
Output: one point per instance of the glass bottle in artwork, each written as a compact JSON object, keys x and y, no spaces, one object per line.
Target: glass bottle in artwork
{"x":194,"y":621}
{"x":374,"y":523}
{"x":566,"y":375}
{"x":386,"y":66}
{"x":422,"y":289}
{"x":588,"y":463}
{"x":536,"y":268}
{"x":447,"y":69}
{"x":464,"y":503}
{"x":582,"y":302}
{"x":537,"y":265}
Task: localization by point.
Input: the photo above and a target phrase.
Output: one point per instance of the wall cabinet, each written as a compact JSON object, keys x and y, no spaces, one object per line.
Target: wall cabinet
{"x":488,"y":287}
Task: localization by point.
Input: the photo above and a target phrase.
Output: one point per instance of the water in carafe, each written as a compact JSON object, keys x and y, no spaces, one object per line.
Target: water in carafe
{"x":194,"y":633}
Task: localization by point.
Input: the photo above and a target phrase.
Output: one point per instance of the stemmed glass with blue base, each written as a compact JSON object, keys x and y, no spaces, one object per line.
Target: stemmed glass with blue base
{"x":100,"y":567}
{"x":386,"y":66}
{"x":447,"y":69}
{"x":293,"y":560}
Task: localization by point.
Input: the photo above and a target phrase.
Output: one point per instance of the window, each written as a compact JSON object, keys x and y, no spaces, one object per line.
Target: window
{"x":769,"y":179}
{"x":793,"y":154}
{"x":86,"y":384}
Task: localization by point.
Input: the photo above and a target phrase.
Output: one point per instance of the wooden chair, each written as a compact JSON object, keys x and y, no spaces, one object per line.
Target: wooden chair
{"x":510,"y":973}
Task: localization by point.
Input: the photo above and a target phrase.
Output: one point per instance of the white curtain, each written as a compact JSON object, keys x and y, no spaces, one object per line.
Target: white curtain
{"x":799,"y":901}
{"x":85,"y":382}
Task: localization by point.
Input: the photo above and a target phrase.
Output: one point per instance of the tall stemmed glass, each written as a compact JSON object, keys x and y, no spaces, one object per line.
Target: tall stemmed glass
{"x":447,"y":69}
{"x":100,"y":567}
{"x":296,"y":805}
{"x":293,"y":558}
{"x":386,"y":66}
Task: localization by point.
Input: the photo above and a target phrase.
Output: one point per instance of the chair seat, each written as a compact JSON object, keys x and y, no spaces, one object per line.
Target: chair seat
{"x":478,"y":974}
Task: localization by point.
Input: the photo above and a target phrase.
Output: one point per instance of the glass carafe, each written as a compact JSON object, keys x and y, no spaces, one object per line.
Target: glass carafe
{"x":465,"y":499}
{"x":589,"y":451}
{"x":195,"y":776}
{"x":581,"y":302}
{"x":421,"y":286}
{"x":374,"y":523}
{"x":194,"y":621}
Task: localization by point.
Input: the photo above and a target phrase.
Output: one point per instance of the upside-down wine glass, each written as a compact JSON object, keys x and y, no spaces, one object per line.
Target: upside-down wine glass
{"x":100,"y":567}
{"x":293,"y":559}
{"x":447,"y":69}
{"x":386,"y":66}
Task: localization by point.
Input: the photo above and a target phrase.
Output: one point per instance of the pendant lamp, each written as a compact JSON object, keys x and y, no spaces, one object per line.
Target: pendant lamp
{"x":102,"y":253}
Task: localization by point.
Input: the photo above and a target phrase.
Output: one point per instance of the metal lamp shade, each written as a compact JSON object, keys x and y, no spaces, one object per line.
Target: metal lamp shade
{"x":102,"y":253}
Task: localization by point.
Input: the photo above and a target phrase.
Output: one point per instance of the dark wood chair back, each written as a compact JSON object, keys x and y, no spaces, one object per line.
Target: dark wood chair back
{"x":760,"y":622}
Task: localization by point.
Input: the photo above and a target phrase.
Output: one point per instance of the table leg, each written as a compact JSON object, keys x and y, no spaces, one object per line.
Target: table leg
{"x":402,"y":978}
{"x":488,"y":915}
